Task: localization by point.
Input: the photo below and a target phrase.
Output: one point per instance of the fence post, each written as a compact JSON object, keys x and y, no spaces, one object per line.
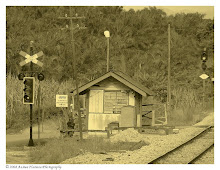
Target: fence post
{"x":165,"y":108}
{"x":153,"y":118}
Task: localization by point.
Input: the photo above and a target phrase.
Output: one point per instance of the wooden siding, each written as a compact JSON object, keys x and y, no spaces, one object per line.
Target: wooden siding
{"x":99,"y":121}
{"x":110,"y":84}
{"x":127,"y":118}
{"x":131,"y":98}
{"x":96,"y":118}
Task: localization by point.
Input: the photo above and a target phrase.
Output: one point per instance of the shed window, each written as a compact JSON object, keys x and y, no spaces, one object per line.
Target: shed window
{"x":114,"y":101}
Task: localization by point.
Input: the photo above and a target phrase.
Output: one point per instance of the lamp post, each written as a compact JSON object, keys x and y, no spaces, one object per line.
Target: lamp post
{"x":107,"y":35}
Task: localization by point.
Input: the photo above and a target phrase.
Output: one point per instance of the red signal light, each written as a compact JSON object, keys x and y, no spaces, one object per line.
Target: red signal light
{"x":28,"y":93}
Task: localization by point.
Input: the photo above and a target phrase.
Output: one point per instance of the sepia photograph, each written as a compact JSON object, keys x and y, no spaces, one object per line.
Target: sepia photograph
{"x":109,"y":85}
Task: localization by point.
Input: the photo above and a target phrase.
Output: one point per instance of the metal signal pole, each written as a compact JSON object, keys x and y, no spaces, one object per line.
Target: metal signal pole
{"x":31,"y":142}
{"x":203,"y":95}
{"x":168,"y":85}
{"x":74,"y":64}
{"x":204,"y":58}
{"x":38,"y":115}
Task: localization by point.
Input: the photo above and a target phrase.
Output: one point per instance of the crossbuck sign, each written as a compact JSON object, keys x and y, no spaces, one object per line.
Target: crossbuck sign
{"x":32,"y":58}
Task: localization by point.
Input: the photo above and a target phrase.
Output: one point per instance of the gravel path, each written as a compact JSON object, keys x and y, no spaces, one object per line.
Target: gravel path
{"x":158,"y":144}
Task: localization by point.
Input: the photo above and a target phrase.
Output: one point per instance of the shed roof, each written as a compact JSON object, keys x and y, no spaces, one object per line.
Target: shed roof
{"x":121,"y":77}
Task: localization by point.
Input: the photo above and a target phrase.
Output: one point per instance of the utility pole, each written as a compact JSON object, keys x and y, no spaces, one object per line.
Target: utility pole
{"x":31,"y":142}
{"x":74,"y":63}
{"x":168,"y":85}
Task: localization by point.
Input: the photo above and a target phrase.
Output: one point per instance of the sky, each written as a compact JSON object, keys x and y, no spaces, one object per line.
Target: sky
{"x":170,"y":10}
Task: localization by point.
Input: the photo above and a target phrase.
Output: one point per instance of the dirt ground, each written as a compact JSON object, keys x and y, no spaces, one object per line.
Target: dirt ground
{"x":17,"y":151}
{"x":17,"y":155}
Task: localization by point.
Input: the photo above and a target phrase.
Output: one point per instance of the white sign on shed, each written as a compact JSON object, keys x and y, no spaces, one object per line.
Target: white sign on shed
{"x":61,"y":100}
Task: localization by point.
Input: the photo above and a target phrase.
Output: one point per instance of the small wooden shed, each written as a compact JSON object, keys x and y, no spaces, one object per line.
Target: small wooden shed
{"x":113,"y":97}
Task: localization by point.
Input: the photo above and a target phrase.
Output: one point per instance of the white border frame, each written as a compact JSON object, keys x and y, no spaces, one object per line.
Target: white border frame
{"x":5,"y":3}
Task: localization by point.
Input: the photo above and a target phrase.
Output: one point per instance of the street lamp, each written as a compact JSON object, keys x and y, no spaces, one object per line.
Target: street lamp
{"x":107,"y":35}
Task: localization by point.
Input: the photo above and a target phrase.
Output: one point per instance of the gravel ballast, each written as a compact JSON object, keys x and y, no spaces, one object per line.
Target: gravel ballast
{"x":207,"y":121}
{"x":159,"y":144}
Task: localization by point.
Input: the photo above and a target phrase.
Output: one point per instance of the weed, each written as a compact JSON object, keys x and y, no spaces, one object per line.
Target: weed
{"x":55,"y":151}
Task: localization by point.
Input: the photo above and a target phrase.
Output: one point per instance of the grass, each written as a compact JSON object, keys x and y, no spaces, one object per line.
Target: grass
{"x":17,"y":114}
{"x":187,"y":108}
{"x":54,"y":151}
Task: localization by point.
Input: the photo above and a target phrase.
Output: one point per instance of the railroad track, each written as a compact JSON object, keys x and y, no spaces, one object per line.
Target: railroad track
{"x":190,"y":151}
{"x":197,"y":157}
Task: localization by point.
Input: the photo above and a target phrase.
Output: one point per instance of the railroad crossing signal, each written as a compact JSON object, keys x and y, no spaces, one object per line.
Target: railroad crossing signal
{"x":32,"y":58}
{"x":28,"y":93}
{"x":40,"y":77}
{"x":21,"y":76}
{"x":204,"y":56}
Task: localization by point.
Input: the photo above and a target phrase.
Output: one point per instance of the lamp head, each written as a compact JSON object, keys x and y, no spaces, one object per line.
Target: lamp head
{"x":107,"y":34}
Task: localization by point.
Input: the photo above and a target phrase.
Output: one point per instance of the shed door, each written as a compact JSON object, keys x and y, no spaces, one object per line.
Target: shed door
{"x":96,"y":101}
{"x":95,"y":109}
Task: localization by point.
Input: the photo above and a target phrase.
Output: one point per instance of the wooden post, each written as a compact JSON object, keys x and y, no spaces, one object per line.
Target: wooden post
{"x":168,"y":85}
{"x":75,"y":75}
{"x":74,"y":64}
{"x":87,"y":111}
{"x":153,"y":118}
{"x":165,"y":109}
{"x":140,"y":109}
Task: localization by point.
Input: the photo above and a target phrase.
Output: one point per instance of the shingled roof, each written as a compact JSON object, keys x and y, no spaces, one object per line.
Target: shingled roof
{"x":123,"y":78}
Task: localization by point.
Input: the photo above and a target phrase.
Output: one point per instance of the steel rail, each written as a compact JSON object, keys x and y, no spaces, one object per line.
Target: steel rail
{"x":181,"y":145}
{"x":201,"y":154}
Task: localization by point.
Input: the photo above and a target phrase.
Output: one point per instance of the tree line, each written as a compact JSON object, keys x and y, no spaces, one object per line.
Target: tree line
{"x":138,"y":44}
